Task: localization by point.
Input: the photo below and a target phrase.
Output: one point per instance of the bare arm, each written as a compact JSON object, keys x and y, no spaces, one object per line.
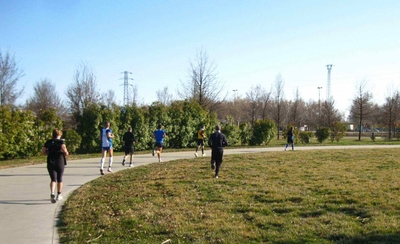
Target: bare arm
{"x":64,"y":150}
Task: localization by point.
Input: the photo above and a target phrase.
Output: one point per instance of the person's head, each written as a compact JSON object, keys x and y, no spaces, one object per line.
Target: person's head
{"x":57,"y":133}
{"x":130,"y":129}
{"x":159,"y":126}
{"x":217,"y":127}
{"x":106,"y":124}
{"x":202,"y":127}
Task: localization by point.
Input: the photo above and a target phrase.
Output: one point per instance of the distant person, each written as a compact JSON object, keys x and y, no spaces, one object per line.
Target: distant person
{"x":129,"y":139}
{"x":106,"y":136}
{"x":200,"y":141}
{"x":217,"y":142}
{"x":290,"y":138}
{"x":159,"y":136}
{"x":56,"y":152}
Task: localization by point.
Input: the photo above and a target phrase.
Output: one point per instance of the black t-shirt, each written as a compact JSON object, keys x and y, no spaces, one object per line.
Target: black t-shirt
{"x":129,"y":139}
{"x":54,"y":154}
{"x":217,"y":140}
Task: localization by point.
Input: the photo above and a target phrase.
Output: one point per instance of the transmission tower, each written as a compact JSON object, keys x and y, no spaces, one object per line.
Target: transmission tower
{"x":328,"y":90}
{"x":126,"y":87}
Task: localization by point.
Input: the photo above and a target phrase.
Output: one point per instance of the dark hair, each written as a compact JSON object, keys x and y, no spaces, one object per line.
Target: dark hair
{"x":159,"y":126}
{"x":217,"y":127}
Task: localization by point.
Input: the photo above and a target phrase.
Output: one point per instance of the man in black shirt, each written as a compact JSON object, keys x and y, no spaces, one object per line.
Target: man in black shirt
{"x":129,"y":139}
{"x":217,"y":141}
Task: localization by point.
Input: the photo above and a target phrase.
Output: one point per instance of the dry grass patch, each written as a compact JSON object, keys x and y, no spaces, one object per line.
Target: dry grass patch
{"x":337,"y":196}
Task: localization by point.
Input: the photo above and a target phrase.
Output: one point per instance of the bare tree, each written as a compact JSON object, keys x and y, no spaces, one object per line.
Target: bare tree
{"x":164,"y":97}
{"x":9,"y":76}
{"x":329,"y":113}
{"x":296,"y":113}
{"x":83,"y":92}
{"x":203,"y":85}
{"x":391,"y":111}
{"x":362,"y":106}
{"x":254,"y":96}
{"x":279,"y":84}
{"x":108,"y":98}
{"x":45,"y":97}
{"x":266,"y":103}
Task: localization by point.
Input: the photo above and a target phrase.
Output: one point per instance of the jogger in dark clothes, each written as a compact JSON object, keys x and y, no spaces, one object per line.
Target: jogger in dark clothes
{"x":217,"y":142}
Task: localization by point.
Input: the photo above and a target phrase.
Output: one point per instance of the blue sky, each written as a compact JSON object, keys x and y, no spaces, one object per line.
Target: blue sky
{"x":250,"y":42}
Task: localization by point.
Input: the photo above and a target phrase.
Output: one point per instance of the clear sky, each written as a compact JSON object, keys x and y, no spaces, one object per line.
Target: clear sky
{"x":250,"y":42}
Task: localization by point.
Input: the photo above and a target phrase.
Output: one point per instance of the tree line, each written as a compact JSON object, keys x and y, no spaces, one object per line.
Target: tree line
{"x":254,"y":119}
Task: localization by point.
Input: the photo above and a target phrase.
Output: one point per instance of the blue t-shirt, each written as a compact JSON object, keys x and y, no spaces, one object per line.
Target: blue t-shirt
{"x":159,"y":135}
{"x":105,"y":140}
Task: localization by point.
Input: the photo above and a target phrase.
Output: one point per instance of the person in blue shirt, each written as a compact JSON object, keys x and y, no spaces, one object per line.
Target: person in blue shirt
{"x":106,"y":136}
{"x":159,"y":136}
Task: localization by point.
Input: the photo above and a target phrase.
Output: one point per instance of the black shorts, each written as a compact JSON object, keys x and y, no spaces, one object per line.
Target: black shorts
{"x":217,"y":154}
{"x":159,"y":144}
{"x":200,"y":142}
{"x":128,"y":150}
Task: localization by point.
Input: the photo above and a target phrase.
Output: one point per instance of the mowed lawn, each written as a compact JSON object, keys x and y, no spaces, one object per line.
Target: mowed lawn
{"x":317,"y":196}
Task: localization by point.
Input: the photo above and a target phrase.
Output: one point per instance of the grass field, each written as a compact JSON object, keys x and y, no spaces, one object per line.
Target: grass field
{"x":319,"y":196}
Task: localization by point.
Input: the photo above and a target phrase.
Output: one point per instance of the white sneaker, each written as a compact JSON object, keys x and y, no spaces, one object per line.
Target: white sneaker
{"x":130,"y":165}
{"x":53,"y":198}
{"x":109,"y":170}
{"x":59,"y":197}
{"x":195,"y":154}
{"x":204,"y":155}
{"x":160,"y":160}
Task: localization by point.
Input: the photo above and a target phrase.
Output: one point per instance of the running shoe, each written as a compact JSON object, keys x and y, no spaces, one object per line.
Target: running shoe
{"x":213,"y":165}
{"x":101,"y":171}
{"x":130,"y":165}
{"x":59,"y":197}
{"x":52,"y":198}
{"x":123,"y":162}
{"x":109,"y":170}
{"x":195,"y":154}
{"x":204,"y":155}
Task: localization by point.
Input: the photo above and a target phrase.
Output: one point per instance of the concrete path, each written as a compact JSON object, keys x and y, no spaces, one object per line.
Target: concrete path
{"x":28,"y":216}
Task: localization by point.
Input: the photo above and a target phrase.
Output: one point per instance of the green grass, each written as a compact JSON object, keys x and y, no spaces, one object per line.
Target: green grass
{"x":318,"y":196}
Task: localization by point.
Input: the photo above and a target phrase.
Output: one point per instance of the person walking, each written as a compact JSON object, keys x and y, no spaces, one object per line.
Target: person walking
{"x":290,"y":138}
{"x":56,"y":152}
{"x":200,"y":141}
{"x":106,"y":136}
{"x":217,"y":142}
{"x":159,"y":136}
{"x":129,"y":139}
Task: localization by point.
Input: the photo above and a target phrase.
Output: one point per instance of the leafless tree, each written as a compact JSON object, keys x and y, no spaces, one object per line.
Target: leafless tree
{"x":203,"y":85}
{"x":9,"y":76}
{"x":83,"y":91}
{"x":329,"y":113}
{"x":391,"y":111}
{"x":164,"y":97}
{"x":362,"y":106}
{"x":278,"y":99}
{"x":266,"y":103}
{"x":45,"y":97}
{"x":296,"y":111}
{"x":108,"y":98}
{"x":254,"y":96}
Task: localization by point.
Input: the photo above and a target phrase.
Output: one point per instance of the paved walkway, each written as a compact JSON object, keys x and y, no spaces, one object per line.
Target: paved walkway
{"x":28,"y":216}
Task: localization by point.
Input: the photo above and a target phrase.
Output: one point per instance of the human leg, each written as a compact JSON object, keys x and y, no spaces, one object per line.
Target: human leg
{"x":110,"y":160}
{"x":52,"y":174}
